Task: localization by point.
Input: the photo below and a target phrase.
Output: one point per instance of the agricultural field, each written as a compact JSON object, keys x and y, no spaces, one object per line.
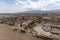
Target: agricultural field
{"x":4,"y":15}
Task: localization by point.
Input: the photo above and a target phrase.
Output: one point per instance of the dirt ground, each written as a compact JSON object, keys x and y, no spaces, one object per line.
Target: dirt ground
{"x":6,"y":33}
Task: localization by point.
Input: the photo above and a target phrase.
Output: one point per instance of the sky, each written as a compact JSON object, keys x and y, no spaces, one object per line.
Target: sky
{"x":12,"y":6}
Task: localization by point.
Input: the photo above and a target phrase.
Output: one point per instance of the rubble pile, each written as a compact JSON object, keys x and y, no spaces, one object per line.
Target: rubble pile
{"x":39,"y":25}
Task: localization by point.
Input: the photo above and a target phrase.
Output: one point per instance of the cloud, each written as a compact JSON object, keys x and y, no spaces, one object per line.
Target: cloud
{"x":25,"y":5}
{"x":4,"y":7}
{"x":40,"y":5}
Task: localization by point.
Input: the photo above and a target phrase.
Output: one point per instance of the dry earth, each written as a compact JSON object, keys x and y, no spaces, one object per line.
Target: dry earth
{"x":6,"y":33}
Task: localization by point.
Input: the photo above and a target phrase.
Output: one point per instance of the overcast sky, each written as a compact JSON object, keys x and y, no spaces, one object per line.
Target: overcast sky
{"x":25,"y":5}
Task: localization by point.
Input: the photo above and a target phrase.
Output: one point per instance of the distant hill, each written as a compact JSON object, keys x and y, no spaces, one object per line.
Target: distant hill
{"x":40,"y":11}
{"x":36,"y":11}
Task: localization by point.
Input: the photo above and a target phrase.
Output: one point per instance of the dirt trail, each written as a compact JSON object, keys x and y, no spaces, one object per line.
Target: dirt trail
{"x":7,"y":33}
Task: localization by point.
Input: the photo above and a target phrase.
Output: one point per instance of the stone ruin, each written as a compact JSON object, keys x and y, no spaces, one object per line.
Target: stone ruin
{"x":28,"y":22}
